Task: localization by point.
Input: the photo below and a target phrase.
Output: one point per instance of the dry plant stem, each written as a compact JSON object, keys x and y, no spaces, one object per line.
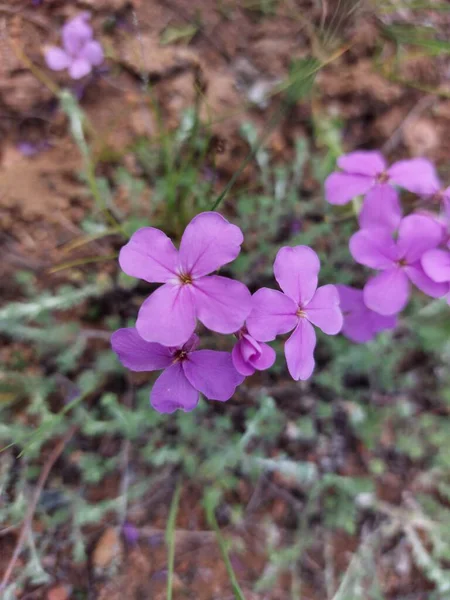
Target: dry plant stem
{"x":56,"y":453}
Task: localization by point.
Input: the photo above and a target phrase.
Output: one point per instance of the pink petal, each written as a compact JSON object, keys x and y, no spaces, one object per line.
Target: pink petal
{"x":138,"y":355}
{"x":381,"y":208}
{"x":296,"y":270}
{"x":299,"y":351}
{"x":362,"y":162}
{"x":79,"y":68}
{"x":436,"y":264}
{"x":149,"y":255}
{"x":222,"y":304}
{"x":340,"y":188}
{"x":240,"y":363}
{"x":173,"y":391}
{"x":167,"y":316}
{"x":57,"y":59}
{"x":93,"y":53}
{"x":374,"y":248}
{"x":360,"y":323}
{"x":266,"y":359}
{"x":416,"y":235}
{"x":76,"y":33}
{"x":208,"y":243}
{"x":272,"y":313}
{"x":212,"y":373}
{"x":417,"y":175}
{"x":324,"y":311}
{"x":387,"y":293}
{"x":421,"y":280}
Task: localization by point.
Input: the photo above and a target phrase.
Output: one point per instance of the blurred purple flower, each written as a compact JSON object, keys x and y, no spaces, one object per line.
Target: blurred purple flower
{"x":187,"y":371}
{"x":360,"y":323}
{"x":302,"y":303}
{"x":32,"y":148}
{"x":399,"y":262}
{"x":189,"y":293}
{"x":80,"y":52}
{"x":130,"y":533}
{"x":366,"y":173}
{"x":249,"y":355}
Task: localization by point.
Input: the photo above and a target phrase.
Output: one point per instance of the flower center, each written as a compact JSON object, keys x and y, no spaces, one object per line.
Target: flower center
{"x":382,"y":178}
{"x":185,"y":278}
{"x":301,"y":314}
{"x":402,"y":262}
{"x":179,"y":356}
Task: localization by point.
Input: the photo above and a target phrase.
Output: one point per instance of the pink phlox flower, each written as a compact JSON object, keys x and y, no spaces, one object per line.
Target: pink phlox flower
{"x":169,"y":315}
{"x":187,"y":371}
{"x":360,"y":323}
{"x":249,"y":355}
{"x":80,"y":52}
{"x":300,"y":305}
{"x":436,"y":264}
{"x":366,"y":173}
{"x":399,"y":262}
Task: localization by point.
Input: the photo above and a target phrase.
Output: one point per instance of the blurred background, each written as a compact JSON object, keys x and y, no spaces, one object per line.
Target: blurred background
{"x":337,"y":488}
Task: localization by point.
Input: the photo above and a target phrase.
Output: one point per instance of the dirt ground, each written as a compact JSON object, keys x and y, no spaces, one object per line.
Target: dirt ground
{"x":236,"y":55}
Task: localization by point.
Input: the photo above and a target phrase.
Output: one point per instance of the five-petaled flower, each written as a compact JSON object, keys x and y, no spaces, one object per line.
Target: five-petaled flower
{"x":366,"y":173}
{"x":302,"y":303}
{"x":399,"y":262}
{"x":169,"y":315}
{"x":249,"y":355}
{"x":80,"y":52}
{"x":187,"y":371}
{"x":360,"y":323}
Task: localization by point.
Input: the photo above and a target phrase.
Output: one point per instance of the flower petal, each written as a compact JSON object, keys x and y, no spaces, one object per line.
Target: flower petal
{"x":138,"y":355}
{"x":222,"y":304}
{"x":416,"y":175}
{"x":421,"y":280}
{"x":79,"y":68}
{"x":362,"y":162}
{"x":76,"y":33}
{"x":266,"y":358}
{"x":296,"y":270}
{"x":299,"y":351}
{"x":416,"y":235}
{"x":340,"y":188}
{"x":374,"y":248}
{"x":436,"y":264}
{"x":387,"y":293}
{"x":149,"y":255}
{"x":93,"y":53}
{"x":272,"y":313}
{"x":167,"y":316}
{"x":172,"y":390}
{"x":360,"y":323}
{"x":324,"y":310}
{"x":212,"y":373}
{"x":381,"y":208}
{"x":208,"y":242}
{"x":57,"y":59}
{"x":240,"y":363}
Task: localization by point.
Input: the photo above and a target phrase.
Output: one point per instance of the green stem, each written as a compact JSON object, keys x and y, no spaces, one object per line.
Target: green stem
{"x":170,"y":538}
{"x":211,"y":517}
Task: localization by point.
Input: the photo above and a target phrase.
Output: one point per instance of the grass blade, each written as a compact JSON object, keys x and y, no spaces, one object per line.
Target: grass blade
{"x":170,"y":538}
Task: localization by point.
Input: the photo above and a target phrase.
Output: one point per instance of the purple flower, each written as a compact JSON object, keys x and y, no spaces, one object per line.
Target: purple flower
{"x":249,"y":355}
{"x":436,"y":264}
{"x":433,"y":190}
{"x":169,"y":315}
{"x":80,"y":51}
{"x":187,"y":371}
{"x":302,"y":303}
{"x":360,"y":323}
{"x":366,"y":173}
{"x":399,"y":262}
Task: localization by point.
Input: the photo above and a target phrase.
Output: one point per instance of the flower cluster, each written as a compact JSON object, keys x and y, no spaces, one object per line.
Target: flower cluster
{"x":405,"y":251}
{"x":164,"y":337}
{"x":80,"y":52}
